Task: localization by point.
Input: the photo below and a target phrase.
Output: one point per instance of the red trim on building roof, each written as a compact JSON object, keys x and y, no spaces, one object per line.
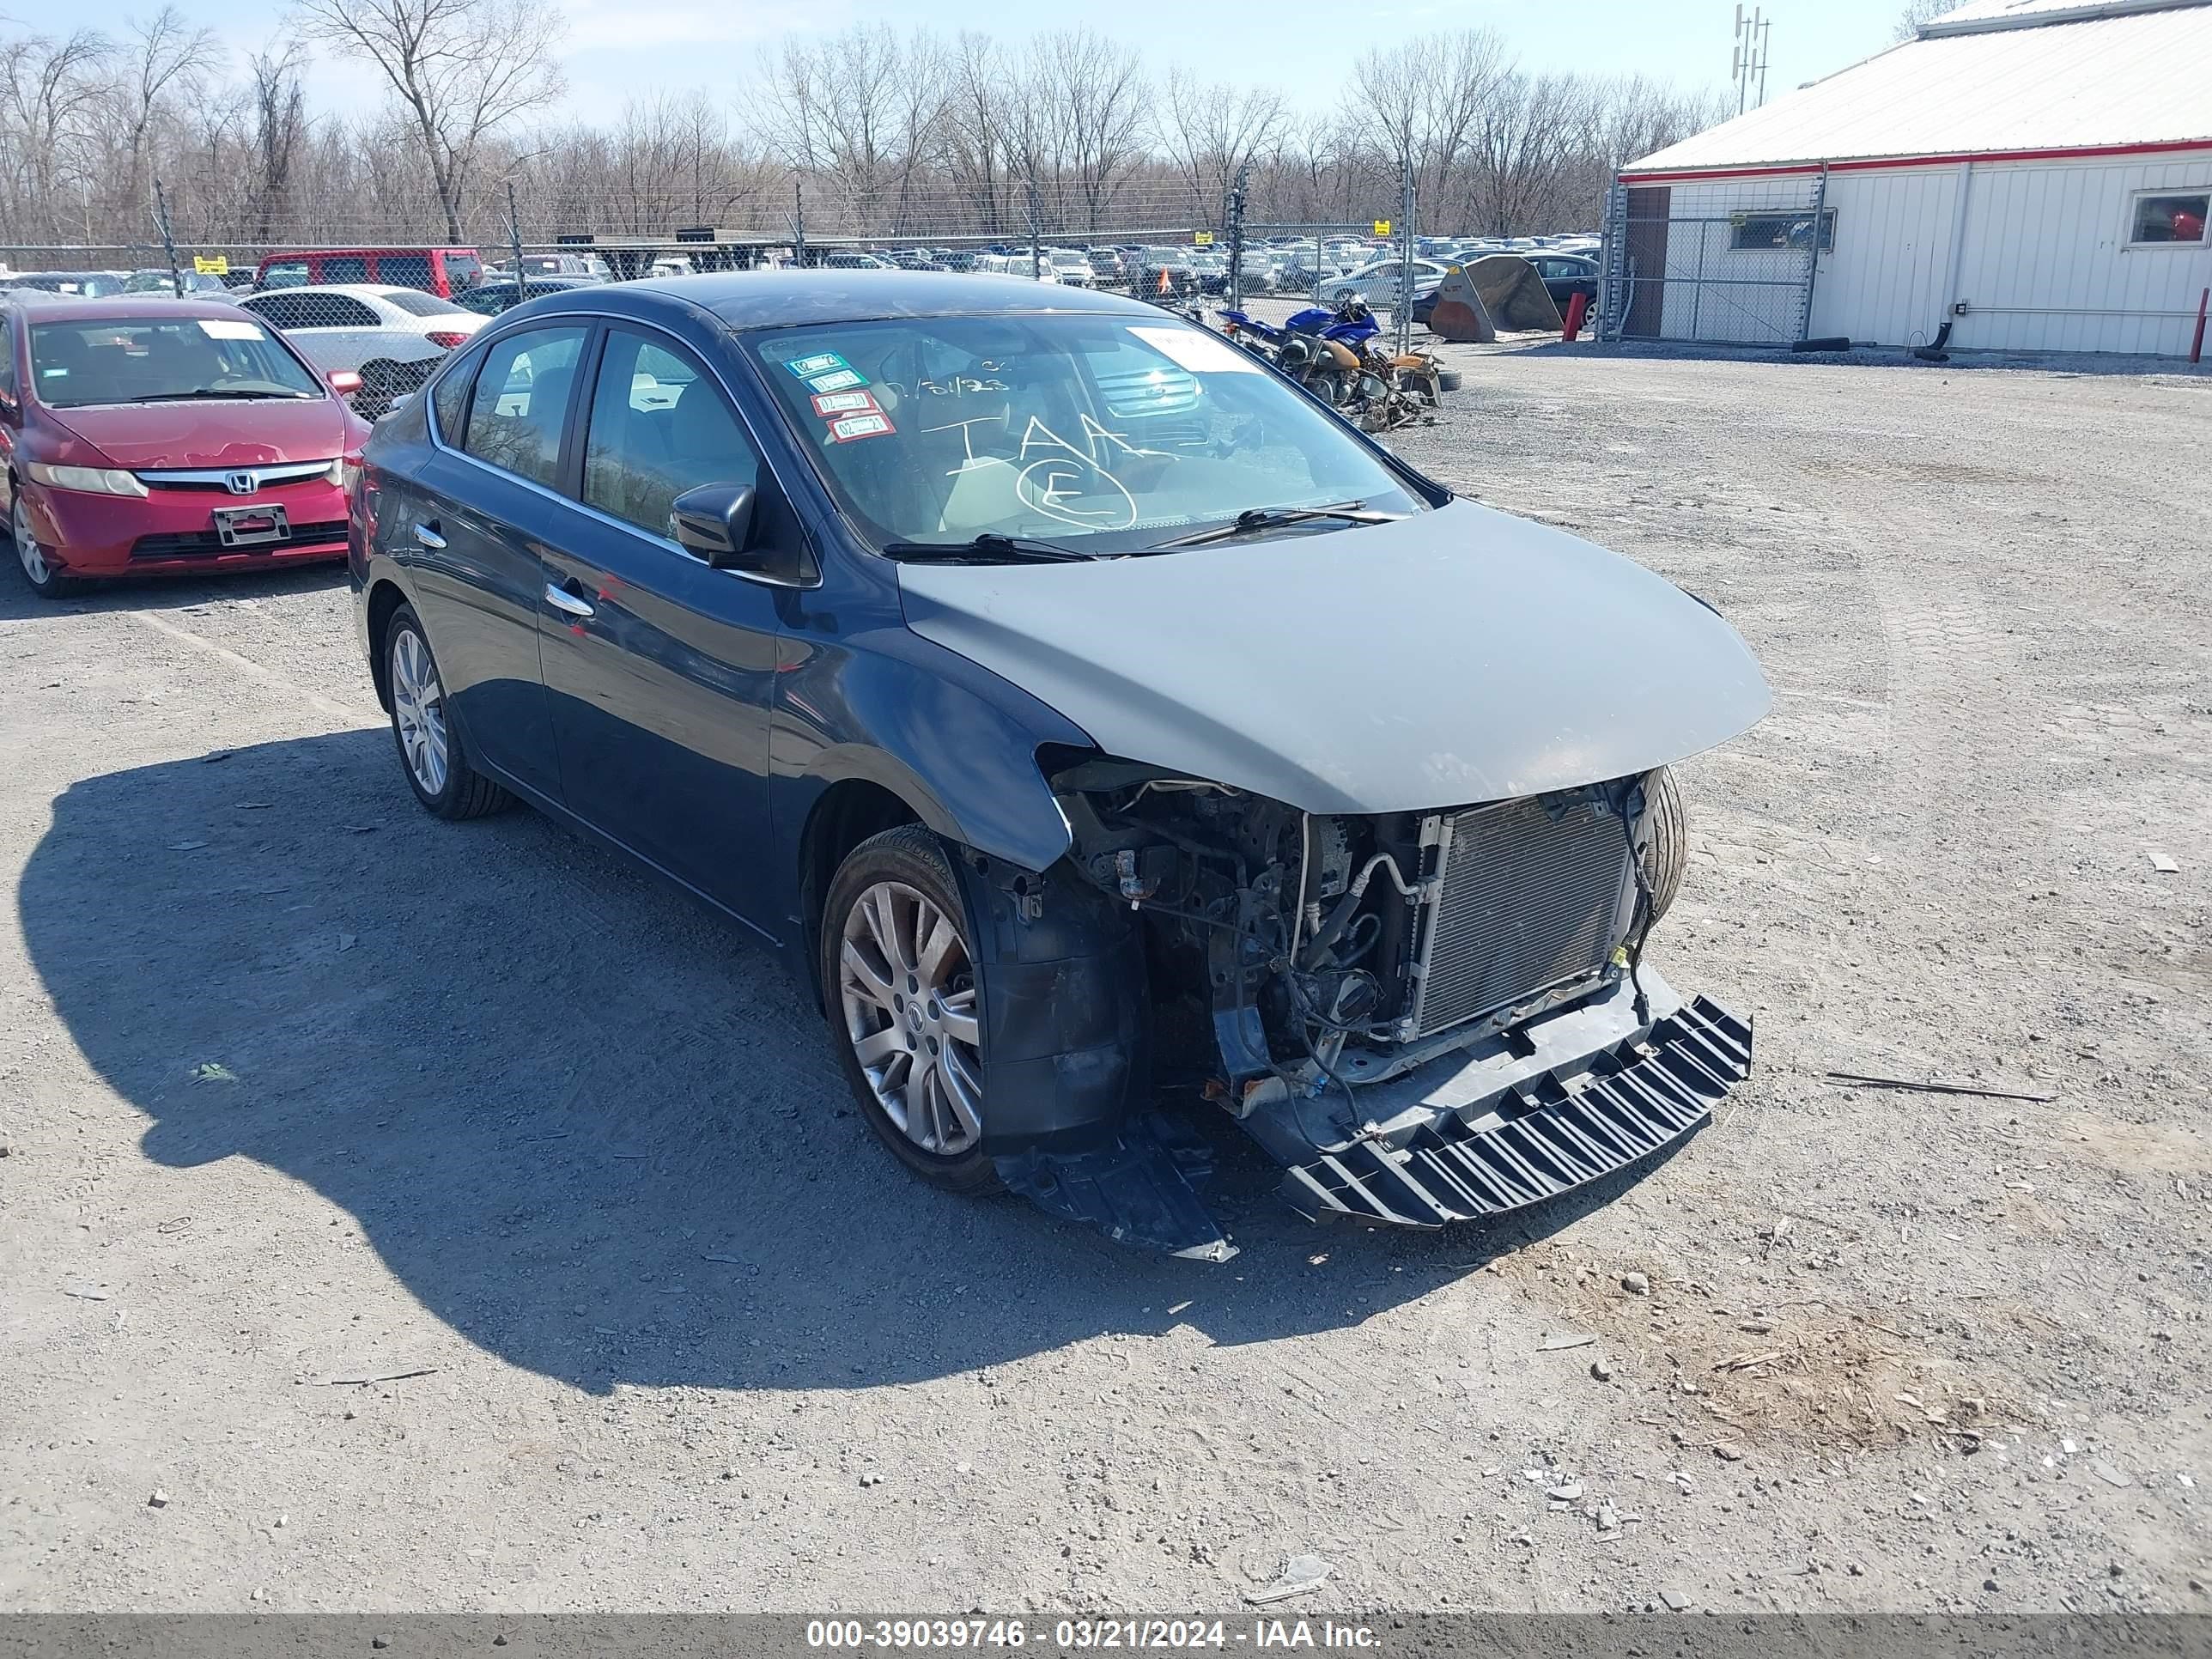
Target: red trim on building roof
{"x":1673,"y":175}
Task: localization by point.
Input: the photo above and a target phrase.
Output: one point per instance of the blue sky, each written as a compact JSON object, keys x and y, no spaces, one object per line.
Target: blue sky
{"x":617,"y":48}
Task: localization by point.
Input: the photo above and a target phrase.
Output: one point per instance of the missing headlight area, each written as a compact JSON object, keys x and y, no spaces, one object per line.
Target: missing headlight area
{"x":1426,"y":1016}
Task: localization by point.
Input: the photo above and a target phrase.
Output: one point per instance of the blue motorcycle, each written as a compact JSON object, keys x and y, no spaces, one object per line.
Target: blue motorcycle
{"x":1322,"y":349}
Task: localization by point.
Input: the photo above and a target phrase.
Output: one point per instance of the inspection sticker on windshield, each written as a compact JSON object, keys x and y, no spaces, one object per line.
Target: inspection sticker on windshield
{"x":1196,"y":351}
{"x":847,"y":427}
{"x":221,"y":328}
{"x":847,"y":403}
{"x":820,"y":363}
{"x":836,"y":380}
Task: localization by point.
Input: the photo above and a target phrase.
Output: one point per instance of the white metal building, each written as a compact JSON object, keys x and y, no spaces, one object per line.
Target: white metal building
{"x":2039,"y":172}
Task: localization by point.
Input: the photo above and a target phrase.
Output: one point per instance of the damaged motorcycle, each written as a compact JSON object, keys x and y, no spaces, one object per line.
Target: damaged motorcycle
{"x":1339,"y":355}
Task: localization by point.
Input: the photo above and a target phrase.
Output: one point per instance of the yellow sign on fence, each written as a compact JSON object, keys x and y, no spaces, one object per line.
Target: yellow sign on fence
{"x":1202,"y":239}
{"x":1382,"y":226}
{"x":216,"y":265}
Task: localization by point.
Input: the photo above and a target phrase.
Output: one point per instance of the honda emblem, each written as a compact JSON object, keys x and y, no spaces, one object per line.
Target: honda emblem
{"x":242,"y":484}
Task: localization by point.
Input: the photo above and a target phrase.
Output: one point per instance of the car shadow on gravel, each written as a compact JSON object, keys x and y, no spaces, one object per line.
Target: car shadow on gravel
{"x":582,"y":1121}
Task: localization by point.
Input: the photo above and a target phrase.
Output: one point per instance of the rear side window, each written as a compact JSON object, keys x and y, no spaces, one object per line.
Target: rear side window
{"x":283,"y":310}
{"x":520,"y":397}
{"x":450,"y":398}
{"x":658,"y":428}
{"x":312,"y":310}
{"x":404,"y":270}
{"x":425,"y":305}
{"x":345,"y":268}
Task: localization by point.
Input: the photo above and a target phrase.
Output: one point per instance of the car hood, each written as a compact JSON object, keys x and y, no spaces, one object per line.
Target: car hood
{"x":1455,"y":656}
{"x":210,"y":434}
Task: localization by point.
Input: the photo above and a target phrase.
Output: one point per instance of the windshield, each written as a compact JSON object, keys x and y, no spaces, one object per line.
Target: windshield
{"x":134,"y":359}
{"x":1105,"y":433}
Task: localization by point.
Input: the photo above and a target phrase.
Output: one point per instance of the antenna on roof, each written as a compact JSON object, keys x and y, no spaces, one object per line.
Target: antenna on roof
{"x":1748,"y":61}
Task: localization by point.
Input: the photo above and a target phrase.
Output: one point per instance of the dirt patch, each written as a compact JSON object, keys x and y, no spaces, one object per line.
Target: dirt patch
{"x":1733,"y":1373}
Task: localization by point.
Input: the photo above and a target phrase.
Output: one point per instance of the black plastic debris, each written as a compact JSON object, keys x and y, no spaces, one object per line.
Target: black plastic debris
{"x":1142,"y":1188}
{"x":1545,"y":1137}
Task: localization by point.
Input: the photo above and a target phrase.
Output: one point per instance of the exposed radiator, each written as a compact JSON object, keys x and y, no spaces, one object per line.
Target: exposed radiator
{"x":1533,"y":894}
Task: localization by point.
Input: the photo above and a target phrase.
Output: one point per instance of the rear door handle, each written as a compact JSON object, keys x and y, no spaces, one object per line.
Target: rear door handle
{"x":562,"y":600}
{"x":428,"y":534}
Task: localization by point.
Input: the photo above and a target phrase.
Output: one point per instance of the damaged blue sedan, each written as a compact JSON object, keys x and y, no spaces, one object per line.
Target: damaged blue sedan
{"x":1109,"y":732}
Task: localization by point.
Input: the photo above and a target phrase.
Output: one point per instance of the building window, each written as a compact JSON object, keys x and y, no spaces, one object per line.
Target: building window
{"x":1782,"y":230}
{"x":2169,"y":220}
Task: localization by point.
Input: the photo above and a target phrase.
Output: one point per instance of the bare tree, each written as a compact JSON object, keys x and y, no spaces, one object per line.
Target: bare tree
{"x":1421,"y":102}
{"x":974,"y":145}
{"x":1525,"y":140}
{"x":50,"y":89}
{"x":277,"y":121}
{"x":459,"y":69}
{"x":861,"y":109}
{"x":1917,"y":12}
{"x":892,"y":135}
{"x":161,"y":53}
{"x":1091,"y":95}
{"x":1212,"y":133}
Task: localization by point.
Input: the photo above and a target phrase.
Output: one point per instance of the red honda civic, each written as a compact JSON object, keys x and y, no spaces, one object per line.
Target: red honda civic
{"x":165,"y":436}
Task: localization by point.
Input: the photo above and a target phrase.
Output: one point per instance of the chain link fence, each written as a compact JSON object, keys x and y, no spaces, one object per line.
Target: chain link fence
{"x":388,"y":310}
{"x":1714,"y":262}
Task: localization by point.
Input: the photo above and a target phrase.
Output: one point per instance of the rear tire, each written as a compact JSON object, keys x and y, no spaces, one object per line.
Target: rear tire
{"x":432,"y":754}
{"x":905,"y":1006}
{"x":38,"y":571}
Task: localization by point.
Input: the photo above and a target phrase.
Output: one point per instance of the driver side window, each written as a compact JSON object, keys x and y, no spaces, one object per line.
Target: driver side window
{"x":660,"y":426}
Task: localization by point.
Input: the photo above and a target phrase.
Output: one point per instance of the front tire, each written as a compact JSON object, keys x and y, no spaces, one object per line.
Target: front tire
{"x":905,"y":1006}
{"x":432,"y":754}
{"x":37,"y":570}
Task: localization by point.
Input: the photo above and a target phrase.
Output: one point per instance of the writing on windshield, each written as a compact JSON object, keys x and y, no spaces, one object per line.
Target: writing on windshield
{"x":1059,"y":425}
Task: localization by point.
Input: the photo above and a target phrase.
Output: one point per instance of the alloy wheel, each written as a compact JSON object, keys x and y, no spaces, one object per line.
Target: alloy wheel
{"x":27,"y":546}
{"x":907,"y":988}
{"x":418,"y":708}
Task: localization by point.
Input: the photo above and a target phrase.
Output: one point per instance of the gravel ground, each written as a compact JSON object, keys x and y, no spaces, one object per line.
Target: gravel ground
{"x":298,"y":1085}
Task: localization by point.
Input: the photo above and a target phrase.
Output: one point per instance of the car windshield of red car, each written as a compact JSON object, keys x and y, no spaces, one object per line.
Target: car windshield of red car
{"x":166,"y":359}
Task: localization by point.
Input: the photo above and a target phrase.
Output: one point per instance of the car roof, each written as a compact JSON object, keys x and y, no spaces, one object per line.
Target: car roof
{"x":357,"y":290}
{"x":776,"y":299}
{"x":135,"y":308}
{"x":377,"y":248}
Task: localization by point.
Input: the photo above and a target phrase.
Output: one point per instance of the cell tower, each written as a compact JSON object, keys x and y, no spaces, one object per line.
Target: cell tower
{"x":1748,"y":64}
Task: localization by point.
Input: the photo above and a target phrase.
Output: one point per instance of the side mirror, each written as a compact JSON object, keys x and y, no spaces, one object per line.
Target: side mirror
{"x":715,"y":522}
{"x":344,"y":382}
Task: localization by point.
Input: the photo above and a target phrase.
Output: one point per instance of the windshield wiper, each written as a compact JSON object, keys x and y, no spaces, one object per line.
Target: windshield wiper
{"x":990,"y":548}
{"x":1255,"y":520}
{"x":215,"y":392}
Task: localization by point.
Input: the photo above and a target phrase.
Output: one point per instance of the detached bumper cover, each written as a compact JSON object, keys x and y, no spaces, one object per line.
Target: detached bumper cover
{"x":1545,"y":1137}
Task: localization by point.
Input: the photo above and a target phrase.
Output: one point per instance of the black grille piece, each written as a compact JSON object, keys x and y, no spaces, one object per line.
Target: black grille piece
{"x":1531,"y":897}
{"x":1544,"y":1138}
{"x":205,"y":545}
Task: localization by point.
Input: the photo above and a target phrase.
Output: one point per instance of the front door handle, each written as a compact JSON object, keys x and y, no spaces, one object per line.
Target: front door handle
{"x":573,"y":604}
{"x":428,"y":534}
